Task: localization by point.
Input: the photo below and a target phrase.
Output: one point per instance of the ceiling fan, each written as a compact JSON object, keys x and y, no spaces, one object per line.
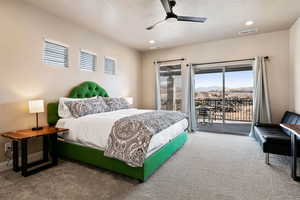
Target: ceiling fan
{"x":172,"y":17}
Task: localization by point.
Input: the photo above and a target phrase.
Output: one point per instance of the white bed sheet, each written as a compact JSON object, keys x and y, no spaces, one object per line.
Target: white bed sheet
{"x":93,"y":130}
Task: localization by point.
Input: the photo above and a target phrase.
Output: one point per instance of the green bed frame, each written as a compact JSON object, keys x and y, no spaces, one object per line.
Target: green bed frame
{"x":96,"y":157}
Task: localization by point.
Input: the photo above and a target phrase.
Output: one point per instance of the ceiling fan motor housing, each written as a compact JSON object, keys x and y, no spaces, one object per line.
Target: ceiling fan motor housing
{"x":171,"y":15}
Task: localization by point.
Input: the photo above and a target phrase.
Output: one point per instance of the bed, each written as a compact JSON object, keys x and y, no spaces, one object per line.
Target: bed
{"x":84,"y":148}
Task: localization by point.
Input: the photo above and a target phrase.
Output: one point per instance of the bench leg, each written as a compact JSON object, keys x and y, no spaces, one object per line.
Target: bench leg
{"x":267,"y":158}
{"x":294,"y":158}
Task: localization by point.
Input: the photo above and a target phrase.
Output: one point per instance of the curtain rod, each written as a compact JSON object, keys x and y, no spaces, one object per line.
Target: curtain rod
{"x":164,"y":61}
{"x":228,"y":61}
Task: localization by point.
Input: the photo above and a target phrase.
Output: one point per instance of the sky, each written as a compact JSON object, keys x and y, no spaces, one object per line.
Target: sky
{"x":232,"y":79}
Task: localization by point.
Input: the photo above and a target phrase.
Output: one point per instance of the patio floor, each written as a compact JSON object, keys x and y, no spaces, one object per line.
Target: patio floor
{"x":228,"y":127}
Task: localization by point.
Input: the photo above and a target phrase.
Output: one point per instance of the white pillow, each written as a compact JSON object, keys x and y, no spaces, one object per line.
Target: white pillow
{"x":63,"y":109}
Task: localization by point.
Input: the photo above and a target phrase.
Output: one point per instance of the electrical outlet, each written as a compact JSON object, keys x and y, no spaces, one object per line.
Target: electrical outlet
{"x":7,"y":147}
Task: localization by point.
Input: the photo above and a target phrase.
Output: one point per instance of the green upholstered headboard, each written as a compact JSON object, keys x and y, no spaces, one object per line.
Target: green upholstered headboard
{"x":84,"y":90}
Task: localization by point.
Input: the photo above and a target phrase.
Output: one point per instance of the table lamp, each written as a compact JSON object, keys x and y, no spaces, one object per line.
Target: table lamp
{"x":36,"y":106}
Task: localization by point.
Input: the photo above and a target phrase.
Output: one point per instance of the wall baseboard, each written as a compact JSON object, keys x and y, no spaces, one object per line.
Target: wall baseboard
{"x":31,"y":157}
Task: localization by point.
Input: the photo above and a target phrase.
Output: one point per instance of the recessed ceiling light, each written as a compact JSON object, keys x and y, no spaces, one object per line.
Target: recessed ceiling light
{"x":151,"y":41}
{"x":249,"y":23}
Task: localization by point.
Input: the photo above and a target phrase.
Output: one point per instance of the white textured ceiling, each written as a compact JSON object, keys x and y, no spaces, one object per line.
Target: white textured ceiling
{"x":126,"y":20}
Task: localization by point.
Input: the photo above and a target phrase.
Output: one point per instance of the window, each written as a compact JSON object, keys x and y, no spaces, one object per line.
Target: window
{"x":171,"y":87}
{"x":55,"y":54}
{"x":109,"y":66}
{"x":87,"y":61}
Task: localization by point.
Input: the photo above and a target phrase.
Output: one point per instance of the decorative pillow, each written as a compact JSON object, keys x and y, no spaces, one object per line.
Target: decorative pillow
{"x":63,"y":109}
{"x":116,"y":103}
{"x":87,"y":107}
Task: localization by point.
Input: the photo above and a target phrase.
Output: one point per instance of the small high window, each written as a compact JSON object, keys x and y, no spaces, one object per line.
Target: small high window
{"x":110,"y":66}
{"x":55,"y":54}
{"x":87,"y":61}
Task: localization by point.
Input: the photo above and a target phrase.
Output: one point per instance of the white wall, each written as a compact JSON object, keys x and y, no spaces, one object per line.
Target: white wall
{"x":275,"y":45}
{"x":295,"y":66}
{"x":23,"y":76}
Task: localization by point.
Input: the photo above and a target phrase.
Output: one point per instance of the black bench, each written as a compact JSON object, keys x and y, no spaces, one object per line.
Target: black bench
{"x":273,"y":138}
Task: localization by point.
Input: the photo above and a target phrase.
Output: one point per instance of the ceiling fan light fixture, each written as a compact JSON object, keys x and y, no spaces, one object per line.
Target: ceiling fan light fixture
{"x":171,"y":20}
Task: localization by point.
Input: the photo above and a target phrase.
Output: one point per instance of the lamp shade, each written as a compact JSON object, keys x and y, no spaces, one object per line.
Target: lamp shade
{"x":36,"y":106}
{"x":129,"y":100}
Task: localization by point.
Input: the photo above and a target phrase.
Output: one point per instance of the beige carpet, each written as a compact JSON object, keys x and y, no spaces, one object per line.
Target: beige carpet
{"x":208,"y":167}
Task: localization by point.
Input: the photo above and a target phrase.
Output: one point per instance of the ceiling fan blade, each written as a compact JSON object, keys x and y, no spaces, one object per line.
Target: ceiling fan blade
{"x":191,"y":19}
{"x":166,"y":5}
{"x":151,"y":27}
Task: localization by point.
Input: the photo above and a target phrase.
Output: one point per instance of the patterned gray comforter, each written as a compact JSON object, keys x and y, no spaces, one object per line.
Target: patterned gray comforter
{"x":130,"y":136}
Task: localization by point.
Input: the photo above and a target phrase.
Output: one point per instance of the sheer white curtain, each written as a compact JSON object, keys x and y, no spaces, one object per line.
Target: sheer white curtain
{"x":189,"y":100}
{"x":261,"y":104}
{"x":157,"y":86}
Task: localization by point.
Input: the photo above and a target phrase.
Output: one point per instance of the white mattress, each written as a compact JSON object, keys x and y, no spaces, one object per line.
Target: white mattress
{"x":93,"y":130}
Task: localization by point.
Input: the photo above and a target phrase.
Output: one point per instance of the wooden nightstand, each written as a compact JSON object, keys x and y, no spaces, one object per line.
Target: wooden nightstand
{"x":49,"y":134}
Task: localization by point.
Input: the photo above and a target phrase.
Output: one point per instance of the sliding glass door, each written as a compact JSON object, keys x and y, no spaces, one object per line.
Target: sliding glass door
{"x":171,"y":87}
{"x":223,"y":98}
{"x":209,"y":96}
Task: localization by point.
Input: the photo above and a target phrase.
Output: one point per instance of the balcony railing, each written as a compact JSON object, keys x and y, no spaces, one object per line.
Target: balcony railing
{"x":240,"y":109}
